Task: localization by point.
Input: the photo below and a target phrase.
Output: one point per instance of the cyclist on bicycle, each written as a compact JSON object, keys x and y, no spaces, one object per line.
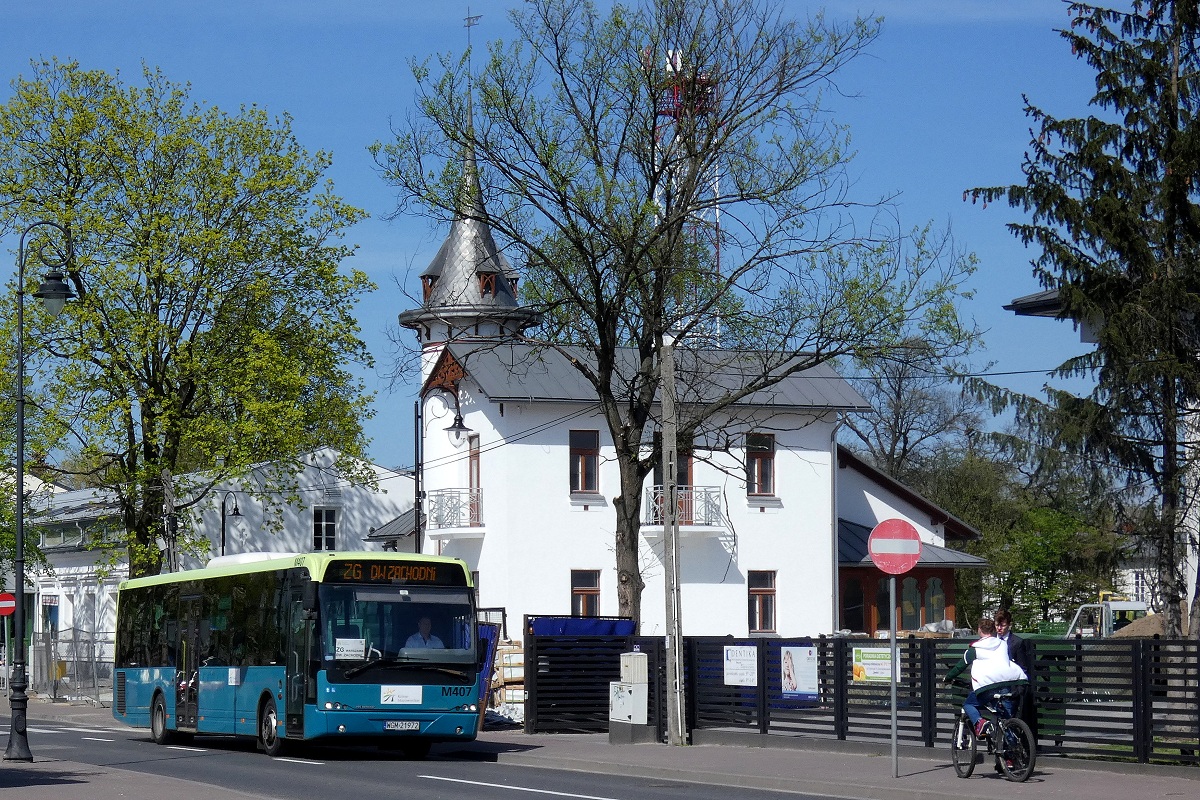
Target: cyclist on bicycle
{"x":991,"y":671}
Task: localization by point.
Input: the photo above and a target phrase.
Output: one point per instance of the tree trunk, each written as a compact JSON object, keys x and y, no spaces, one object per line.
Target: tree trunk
{"x":629,"y":571}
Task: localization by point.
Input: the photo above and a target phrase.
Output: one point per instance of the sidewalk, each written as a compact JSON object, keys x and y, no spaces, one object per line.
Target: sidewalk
{"x":862,"y":772}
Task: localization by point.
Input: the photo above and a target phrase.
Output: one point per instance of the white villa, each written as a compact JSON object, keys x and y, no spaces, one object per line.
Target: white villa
{"x":518,"y":477}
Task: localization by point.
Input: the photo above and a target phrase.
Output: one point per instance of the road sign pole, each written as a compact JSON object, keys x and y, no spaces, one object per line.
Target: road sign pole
{"x":894,"y":547}
{"x":895,"y":672}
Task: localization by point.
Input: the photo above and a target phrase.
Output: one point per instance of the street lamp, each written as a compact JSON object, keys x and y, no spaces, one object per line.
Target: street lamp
{"x":457,"y":430}
{"x":54,"y":292}
{"x":235,"y":513}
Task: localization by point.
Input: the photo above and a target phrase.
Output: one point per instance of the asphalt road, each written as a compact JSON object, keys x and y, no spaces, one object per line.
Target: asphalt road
{"x":451,"y":772}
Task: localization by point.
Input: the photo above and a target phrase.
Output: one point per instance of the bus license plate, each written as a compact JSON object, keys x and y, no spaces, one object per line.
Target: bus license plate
{"x":401,"y":725}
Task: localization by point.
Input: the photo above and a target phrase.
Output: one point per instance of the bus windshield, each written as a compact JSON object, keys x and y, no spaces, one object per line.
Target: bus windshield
{"x":425,"y":625}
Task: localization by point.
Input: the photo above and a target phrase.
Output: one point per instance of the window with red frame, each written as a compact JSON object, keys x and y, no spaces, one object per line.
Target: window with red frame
{"x":760,"y":464}
{"x":585,"y":592}
{"x":585,"y":462}
{"x":761,"y":586}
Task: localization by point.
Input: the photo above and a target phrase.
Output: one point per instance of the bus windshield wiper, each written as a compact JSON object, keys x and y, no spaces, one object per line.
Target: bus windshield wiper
{"x":390,"y":661}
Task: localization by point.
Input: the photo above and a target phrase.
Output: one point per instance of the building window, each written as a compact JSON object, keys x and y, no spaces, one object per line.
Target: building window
{"x":760,"y":464}
{"x":585,"y":461}
{"x":935,"y":601}
{"x":324,"y":529}
{"x":883,"y":609}
{"x":853,"y":607}
{"x":585,"y":592}
{"x":1141,"y":591}
{"x":910,"y":605}
{"x":761,"y":584}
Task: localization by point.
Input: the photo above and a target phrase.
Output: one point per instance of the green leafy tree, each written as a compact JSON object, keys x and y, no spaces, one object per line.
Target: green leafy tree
{"x":213,"y":323}
{"x":1113,"y":214}
{"x":1049,"y":543}
{"x":667,"y":168}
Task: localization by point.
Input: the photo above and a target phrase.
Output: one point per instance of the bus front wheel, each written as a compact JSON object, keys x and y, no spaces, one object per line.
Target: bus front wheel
{"x":269,"y":739}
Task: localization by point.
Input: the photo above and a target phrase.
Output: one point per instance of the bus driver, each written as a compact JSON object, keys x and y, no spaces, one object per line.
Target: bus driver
{"x":423,"y":637}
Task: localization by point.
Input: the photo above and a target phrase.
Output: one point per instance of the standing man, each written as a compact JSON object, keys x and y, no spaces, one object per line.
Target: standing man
{"x":1018,"y":653}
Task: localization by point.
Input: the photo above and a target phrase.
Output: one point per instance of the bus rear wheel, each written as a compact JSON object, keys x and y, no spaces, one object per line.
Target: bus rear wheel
{"x":269,"y":740}
{"x":158,"y":722}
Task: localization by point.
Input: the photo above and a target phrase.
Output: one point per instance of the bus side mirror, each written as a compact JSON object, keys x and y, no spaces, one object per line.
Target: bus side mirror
{"x":310,"y":596}
{"x":483,"y":651}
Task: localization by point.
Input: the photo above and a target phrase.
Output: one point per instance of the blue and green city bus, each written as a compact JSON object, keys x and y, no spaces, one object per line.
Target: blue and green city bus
{"x":319,"y":646}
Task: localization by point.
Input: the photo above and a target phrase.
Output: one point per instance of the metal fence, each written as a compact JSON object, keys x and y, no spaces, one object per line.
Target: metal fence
{"x":567,"y":681}
{"x":1127,"y":699}
{"x":73,"y":665}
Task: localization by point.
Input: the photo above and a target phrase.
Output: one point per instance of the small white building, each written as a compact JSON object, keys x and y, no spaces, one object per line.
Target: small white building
{"x":79,"y":594}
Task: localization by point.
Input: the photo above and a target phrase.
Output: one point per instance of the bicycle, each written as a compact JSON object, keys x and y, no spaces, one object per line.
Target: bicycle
{"x":1007,"y":737}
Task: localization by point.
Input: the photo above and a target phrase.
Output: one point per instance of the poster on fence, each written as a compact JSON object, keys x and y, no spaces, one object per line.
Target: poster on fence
{"x":873,"y":664}
{"x":741,"y":666}
{"x":798,"y":673}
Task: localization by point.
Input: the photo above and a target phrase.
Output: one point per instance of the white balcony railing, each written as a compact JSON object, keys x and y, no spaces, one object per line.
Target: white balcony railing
{"x":695,"y":505}
{"x":454,"y":508}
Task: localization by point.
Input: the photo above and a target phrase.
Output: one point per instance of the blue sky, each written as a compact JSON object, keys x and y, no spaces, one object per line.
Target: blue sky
{"x":934,"y":108}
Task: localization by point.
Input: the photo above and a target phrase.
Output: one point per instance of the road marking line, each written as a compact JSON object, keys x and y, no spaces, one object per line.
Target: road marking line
{"x":301,"y":761}
{"x":96,"y":739}
{"x":187,"y":749}
{"x":515,"y":788}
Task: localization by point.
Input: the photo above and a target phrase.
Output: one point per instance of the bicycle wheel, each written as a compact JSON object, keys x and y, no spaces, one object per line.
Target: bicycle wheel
{"x":962,"y":748}
{"x":1019,"y":751}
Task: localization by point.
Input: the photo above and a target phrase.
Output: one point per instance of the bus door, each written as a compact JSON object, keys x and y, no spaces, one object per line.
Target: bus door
{"x":298,"y":650}
{"x":187,"y":675}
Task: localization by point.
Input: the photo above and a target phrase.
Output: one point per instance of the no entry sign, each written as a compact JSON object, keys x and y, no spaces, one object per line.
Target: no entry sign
{"x":8,"y":604}
{"x":895,"y":546}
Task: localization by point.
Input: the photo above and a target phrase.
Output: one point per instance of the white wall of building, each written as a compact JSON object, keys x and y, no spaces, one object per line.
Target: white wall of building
{"x":865,"y":501}
{"x":535,"y":533}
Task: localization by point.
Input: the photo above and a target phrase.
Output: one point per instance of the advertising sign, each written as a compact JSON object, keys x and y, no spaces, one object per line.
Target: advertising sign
{"x":798,"y":673}
{"x":741,"y":666}
{"x":873,"y":664}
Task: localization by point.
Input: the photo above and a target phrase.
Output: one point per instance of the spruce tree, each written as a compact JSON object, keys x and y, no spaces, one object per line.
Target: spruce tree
{"x":1112,"y":209}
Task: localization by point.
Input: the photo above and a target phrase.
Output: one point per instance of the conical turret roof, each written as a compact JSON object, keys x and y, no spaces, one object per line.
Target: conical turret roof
{"x":469,"y":277}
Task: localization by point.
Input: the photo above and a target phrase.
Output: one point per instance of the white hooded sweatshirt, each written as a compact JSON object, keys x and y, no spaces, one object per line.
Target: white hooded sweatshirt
{"x":991,"y":664}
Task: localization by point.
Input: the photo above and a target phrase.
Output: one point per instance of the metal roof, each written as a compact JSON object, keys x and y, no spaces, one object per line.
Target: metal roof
{"x":852,"y":551}
{"x":71,"y":506}
{"x":520,"y":372}
{"x":403,"y":525}
{"x":1038,"y":304}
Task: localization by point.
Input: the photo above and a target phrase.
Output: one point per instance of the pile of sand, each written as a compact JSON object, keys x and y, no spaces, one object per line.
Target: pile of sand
{"x":1149,"y":626}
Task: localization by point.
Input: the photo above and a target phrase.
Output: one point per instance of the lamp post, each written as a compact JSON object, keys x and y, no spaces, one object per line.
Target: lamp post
{"x":235,"y":513}
{"x":418,"y":478}
{"x":54,"y":292}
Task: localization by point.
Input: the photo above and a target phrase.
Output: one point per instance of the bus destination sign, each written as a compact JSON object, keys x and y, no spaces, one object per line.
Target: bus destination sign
{"x":396,"y":572}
